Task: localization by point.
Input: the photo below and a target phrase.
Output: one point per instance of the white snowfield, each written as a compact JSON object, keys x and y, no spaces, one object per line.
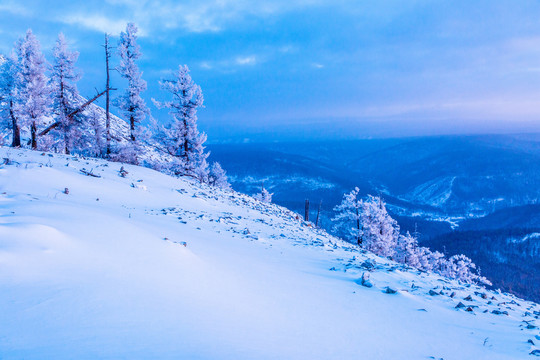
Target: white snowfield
{"x":154,"y":267}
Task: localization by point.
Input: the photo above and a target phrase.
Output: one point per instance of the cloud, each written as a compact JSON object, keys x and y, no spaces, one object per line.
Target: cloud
{"x":195,"y":15}
{"x":231,"y":64}
{"x":14,"y":8}
{"x":246,"y":60}
{"x":97,"y":22}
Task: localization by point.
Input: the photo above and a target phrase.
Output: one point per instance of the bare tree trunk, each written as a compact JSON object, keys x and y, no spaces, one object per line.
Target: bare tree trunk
{"x":318,"y":214}
{"x":73,"y":113}
{"x":33,"y":131}
{"x":107,"y":97}
{"x":306,"y":212}
{"x":16,"y":128}
{"x":358,"y":238}
{"x":132,"y":127}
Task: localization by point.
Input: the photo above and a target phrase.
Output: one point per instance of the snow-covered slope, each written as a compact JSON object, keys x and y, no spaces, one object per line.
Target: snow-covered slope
{"x":150,"y":266}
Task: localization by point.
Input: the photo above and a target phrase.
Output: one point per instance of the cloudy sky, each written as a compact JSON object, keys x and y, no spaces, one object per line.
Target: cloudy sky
{"x":284,"y":69}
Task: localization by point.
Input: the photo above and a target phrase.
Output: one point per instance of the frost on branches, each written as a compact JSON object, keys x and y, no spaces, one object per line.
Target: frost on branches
{"x":462,"y":268}
{"x":65,"y":93}
{"x":349,"y":215}
{"x":264,"y":196}
{"x":218,"y":177}
{"x":131,"y":102}
{"x":368,"y":223}
{"x":32,"y":99}
{"x":380,"y":232}
{"x":180,"y":138}
{"x":8,"y":71}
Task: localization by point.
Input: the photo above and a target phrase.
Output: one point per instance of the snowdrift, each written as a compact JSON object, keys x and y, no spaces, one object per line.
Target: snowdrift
{"x":96,"y":265}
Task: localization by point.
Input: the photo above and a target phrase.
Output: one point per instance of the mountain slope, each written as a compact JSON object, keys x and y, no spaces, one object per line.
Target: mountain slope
{"x":102,"y":272}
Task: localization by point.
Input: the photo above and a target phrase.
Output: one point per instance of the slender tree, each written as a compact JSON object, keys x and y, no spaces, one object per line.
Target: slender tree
{"x":8,"y":71}
{"x":264,"y":196}
{"x":349,"y":216}
{"x":218,"y":176}
{"x":31,"y":89}
{"x":107,"y":96}
{"x":65,"y":94}
{"x":131,"y":102}
{"x":180,"y":138}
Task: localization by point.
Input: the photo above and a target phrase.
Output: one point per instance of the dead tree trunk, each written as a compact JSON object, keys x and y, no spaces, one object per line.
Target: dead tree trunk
{"x":306,"y":214}
{"x":107,"y":97}
{"x":70,"y":115}
{"x":358,"y":238}
{"x":318,"y":214}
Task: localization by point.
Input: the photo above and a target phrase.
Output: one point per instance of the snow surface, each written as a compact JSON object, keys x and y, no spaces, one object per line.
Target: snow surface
{"x":154,"y":267}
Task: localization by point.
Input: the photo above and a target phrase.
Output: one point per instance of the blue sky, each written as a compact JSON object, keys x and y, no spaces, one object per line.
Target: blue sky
{"x":302,"y":69}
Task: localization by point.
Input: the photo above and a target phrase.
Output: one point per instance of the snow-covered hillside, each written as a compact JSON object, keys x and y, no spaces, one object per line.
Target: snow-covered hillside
{"x":150,"y":266}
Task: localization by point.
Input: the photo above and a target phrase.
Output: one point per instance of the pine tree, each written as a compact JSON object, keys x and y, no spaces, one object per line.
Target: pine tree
{"x":380,"y":232}
{"x":8,"y":72}
{"x":349,"y":216}
{"x":131,"y":102}
{"x":180,"y":138}
{"x":32,"y":93}
{"x":64,"y":88}
{"x":218,"y":177}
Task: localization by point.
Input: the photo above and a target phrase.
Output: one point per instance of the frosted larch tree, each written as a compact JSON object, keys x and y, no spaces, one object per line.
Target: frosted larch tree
{"x":218,"y":176}
{"x":8,"y":71}
{"x":380,"y":232}
{"x":180,"y":138}
{"x":32,"y":93}
{"x":131,"y":102}
{"x":407,"y":250}
{"x":264,"y":196}
{"x":349,"y":216}
{"x":64,"y":88}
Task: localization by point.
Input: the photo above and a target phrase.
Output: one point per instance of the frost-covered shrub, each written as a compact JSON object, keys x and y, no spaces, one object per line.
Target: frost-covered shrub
{"x":264,"y":196}
{"x":218,"y":177}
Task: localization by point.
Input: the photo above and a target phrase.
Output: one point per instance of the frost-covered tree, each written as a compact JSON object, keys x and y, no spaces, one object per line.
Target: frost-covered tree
{"x":368,"y":222}
{"x":349,"y":216}
{"x":96,"y":137}
{"x":380,"y":232}
{"x":64,"y":88}
{"x":32,"y":93}
{"x":424,"y":256}
{"x":407,"y":251}
{"x":462,"y":268}
{"x":131,"y":102}
{"x":8,"y":72}
{"x":264,"y":196}
{"x":218,"y":177}
{"x":180,"y":138}
{"x":436,"y":260}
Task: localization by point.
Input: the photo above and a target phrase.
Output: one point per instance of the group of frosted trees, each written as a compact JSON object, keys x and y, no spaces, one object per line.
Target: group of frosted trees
{"x":40,"y":108}
{"x":367,"y":223}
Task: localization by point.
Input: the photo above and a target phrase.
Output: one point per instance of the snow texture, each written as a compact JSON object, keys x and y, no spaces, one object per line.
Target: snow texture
{"x":101,"y":263}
